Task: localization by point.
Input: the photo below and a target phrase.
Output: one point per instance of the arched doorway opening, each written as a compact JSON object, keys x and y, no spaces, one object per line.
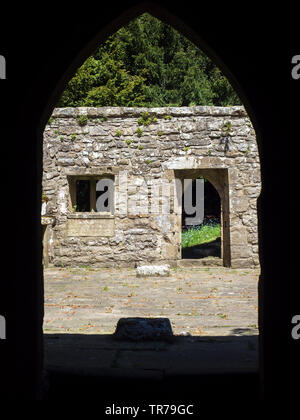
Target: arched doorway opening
{"x":216,"y":216}
{"x":202,"y":238}
{"x":49,"y":108}
{"x":216,"y":176}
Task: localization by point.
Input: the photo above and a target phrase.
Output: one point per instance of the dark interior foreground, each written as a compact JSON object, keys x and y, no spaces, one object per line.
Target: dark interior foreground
{"x":43,"y":48}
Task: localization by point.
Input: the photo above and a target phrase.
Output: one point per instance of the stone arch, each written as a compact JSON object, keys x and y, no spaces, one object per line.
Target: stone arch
{"x":38,"y":120}
{"x":208,"y":165}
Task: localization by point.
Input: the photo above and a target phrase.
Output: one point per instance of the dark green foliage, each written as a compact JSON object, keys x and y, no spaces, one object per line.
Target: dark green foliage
{"x":148,"y":63}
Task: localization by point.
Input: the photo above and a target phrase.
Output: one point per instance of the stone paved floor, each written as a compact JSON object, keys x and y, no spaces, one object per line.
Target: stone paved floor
{"x":201,"y":301}
{"x":216,"y":306}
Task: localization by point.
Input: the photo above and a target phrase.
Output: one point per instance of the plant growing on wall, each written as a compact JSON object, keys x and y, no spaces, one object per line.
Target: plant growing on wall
{"x":147,"y":119}
{"x":45,"y":198}
{"x":139,"y":132}
{"x":227,"y":128}
{"x":82,"y":120}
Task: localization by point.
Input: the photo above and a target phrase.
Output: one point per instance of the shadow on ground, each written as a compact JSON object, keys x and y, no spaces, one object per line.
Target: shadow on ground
{"x":209,"y":249}
{"x":88,"y":366}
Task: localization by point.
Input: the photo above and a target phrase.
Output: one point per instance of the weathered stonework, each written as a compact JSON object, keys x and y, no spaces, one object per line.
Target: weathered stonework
{"x":216,"y":142}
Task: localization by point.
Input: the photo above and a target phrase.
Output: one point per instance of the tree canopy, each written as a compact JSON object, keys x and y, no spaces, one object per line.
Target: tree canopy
{"x":148,"y":63}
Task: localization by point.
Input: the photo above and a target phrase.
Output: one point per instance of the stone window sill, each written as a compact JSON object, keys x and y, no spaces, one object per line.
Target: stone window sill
{"x":93,"y":215}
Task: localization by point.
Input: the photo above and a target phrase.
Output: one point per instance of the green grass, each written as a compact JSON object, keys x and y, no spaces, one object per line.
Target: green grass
{"x":197,"y":236}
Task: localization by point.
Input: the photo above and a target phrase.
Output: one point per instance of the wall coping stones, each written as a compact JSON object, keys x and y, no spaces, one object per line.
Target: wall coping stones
{"x":115,"y":112}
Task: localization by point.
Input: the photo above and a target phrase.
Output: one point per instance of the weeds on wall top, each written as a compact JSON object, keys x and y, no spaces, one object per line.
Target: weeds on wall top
{"x":146,"y":119}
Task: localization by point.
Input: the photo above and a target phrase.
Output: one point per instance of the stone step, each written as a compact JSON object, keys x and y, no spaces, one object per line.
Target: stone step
{"x":201,"y":262}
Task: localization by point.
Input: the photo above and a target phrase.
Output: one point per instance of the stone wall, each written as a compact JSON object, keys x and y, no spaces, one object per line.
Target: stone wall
{"x":144,"y":147}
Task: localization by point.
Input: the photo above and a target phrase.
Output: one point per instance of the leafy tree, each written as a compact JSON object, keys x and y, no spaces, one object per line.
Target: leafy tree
{"x":148,"y":63}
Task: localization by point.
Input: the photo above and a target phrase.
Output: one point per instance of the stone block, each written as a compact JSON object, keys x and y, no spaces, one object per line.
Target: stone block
{"x":240,"y":204}
{"x":90,"y":227}
{"x":153,"y":270}
{"x":170,"y":251}
{"x":239,"y":235}
{"x":241,"y":263}
{"x":240,"y":251}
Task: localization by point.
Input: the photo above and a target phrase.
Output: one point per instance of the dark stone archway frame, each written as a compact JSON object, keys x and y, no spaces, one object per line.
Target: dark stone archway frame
{"x":249,"y":74}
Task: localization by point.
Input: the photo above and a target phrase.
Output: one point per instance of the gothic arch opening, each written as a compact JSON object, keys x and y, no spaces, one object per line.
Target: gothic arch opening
{"x":218,"y":177}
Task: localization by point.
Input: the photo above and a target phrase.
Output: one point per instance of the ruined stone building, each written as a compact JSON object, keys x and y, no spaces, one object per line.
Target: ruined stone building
{"x":139,"y":153}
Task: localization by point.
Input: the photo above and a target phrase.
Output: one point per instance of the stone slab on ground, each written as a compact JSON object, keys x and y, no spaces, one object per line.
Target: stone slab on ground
{"x":201,"y":262}
{"x":153,"y":270}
